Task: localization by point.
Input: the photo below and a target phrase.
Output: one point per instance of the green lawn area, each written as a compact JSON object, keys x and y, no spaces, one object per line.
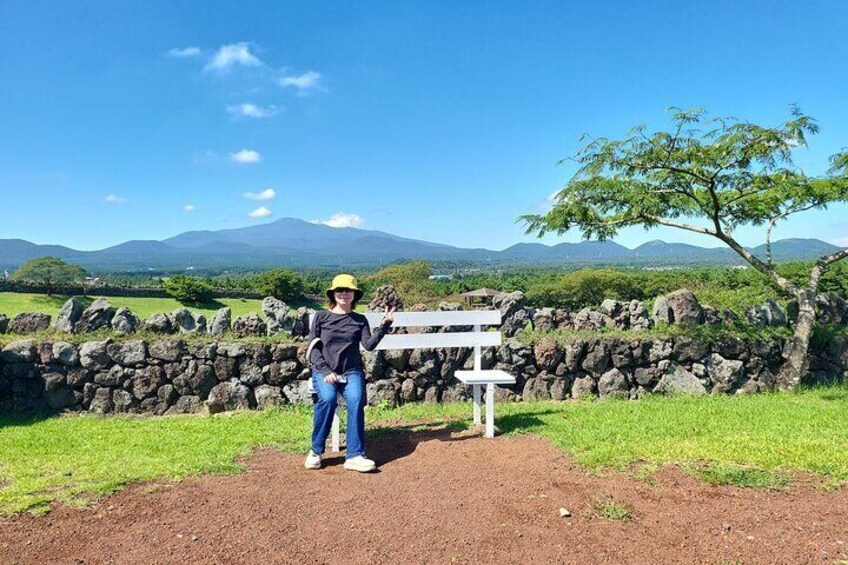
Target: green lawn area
{"x":12,"y":303}
{"x":758,"y":440}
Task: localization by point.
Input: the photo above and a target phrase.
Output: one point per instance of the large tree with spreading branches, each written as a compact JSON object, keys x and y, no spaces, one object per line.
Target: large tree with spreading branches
{"x":708,"y":175}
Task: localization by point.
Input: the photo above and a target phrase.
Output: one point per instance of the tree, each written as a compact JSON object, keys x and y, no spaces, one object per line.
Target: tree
{"x":281,"y":284}
{"x":188,"y":290}
{"x":49,"y":272}
{"x":708,"y":176}
{"x":411,"y":280}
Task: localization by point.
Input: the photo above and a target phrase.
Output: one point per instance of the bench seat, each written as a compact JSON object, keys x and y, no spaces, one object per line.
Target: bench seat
{"x":494,"y":376}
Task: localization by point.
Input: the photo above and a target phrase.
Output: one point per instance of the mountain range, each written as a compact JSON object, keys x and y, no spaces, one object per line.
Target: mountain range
{"x":295,"y":243}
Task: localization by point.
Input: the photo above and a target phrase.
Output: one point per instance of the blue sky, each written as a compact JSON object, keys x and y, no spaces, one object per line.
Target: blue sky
{"x":439,"y":121}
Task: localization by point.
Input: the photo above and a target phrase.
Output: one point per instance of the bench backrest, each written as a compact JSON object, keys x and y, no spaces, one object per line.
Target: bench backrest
{"x":476,"y":338}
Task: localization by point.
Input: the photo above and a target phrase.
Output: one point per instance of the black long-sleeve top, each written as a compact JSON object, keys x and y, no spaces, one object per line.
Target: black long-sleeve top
{"x":340,"y":336}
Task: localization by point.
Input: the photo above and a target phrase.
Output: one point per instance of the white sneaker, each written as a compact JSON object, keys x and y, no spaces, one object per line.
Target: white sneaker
{"x":360,"y":463}
{"x":313,"y":460}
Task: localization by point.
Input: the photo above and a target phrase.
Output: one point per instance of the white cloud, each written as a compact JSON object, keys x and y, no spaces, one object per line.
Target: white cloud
{"x":188,"y":208}
{"x":114,"y":199}
{"x":229,"y":56}
{"x":267,"y":194}
{"x":303,"y":83}
{"x":261,"y":212}
{"x":246,"y":156}
{"x":341,"y":220}
{"x":253,"y":111}
{"x":184,"y":52}
{"x":840,"y":241}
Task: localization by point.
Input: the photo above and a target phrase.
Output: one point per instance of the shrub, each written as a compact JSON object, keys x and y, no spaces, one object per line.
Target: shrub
{"x":188,"y":290}
{"x":280,"y":283}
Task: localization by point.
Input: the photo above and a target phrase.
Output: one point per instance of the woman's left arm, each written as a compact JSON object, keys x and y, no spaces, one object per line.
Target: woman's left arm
{"x":369,"y":340}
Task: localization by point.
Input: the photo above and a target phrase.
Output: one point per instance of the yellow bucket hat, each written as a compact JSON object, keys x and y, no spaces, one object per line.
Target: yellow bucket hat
{"x":345,"y":281}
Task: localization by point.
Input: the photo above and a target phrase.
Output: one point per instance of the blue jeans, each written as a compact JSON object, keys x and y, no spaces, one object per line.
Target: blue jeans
{"x":354,"y":394}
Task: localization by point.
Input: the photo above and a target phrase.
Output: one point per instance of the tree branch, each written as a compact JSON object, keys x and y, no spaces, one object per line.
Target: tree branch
{"x":776,"y":219}
{"x":688,"y":227}
{"x":758,"y":264}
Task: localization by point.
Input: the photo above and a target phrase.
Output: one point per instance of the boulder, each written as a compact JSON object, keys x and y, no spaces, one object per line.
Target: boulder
{"x":220,"y":323}
{"x":584,"y":387}
{"x":223,"y":398}
{"x":725,"y":374}
{"x":185,"y":405}
{"x":98,"y":315}
{"x":267,"y":396}
{"x":382,"y":392}
{"x":687,"y":349}
{"x":543,"y":319}
{"x":185,"y":322}
{"x":588,"y":319}
{"x":93,"y":355}
{"x":22,"y":351}
{"x":101,"y":402}
{"x":249,"y":325}
{"x":830,"y":308}
{"x":677,"y":380}
{"x":548,"y":354}
{"x":124,"y":322}
{"x":638,"y":315}
{"x":68,"y":316}
{"x":60,"y":398}
{"x":275,"y":312}
{"x":597,"y":357}
{"x":146,"y":381}
{"x":685,"y":309}
{"x":385,"y":297}
{"x":661,"y":312}
{"x":167,"y":349}
{"x":513,"y":315}
{"x":66,"y":354}
{"x":29,"y":322}
{"x":128,"y":353}
{"x":158,"y":324}
{"x":613,"y":384}
{"x":769,"y":313}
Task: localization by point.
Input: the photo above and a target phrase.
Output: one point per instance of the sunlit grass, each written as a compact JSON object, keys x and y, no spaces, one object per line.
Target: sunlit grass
{"x":757,"y":441}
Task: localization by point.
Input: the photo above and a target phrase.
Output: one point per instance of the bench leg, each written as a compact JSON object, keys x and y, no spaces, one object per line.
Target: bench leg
{"x":334,"y":434}
{"x":490,"y":410}
{"x":478,"y":403}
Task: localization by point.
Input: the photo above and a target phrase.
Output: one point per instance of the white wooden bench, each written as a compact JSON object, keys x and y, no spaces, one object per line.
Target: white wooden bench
{"x":477,"y":338}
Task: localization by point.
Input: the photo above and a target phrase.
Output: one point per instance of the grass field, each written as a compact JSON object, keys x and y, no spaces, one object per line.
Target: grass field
{"x":757,"y":441}
{"x":12,"y":303}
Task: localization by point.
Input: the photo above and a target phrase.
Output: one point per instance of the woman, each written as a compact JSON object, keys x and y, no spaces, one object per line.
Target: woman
{"x":333,"y":352}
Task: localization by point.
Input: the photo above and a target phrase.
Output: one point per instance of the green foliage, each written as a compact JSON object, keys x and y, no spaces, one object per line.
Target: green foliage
{"x":727,"y":172}
{"x":280,"y":283}
{"x":411,"y":280}
{"x":188,"y":290}
{"x":50,"y":272}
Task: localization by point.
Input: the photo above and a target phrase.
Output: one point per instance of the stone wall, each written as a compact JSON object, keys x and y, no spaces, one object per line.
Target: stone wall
{"x":201,"y":371}
{"x":170,"y":376}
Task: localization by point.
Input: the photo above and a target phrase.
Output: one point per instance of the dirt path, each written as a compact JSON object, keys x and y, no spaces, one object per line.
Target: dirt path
{"x":438,"y":498}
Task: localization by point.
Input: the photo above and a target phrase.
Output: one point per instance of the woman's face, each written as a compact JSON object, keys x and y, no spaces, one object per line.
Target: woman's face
{"x":343,"y":296}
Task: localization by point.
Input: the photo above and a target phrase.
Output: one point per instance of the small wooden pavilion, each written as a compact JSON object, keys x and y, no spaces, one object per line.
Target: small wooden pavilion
{"x":479,"y":298}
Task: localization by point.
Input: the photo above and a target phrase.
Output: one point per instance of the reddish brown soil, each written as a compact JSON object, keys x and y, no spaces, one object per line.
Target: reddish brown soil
{"x":437,"y":498}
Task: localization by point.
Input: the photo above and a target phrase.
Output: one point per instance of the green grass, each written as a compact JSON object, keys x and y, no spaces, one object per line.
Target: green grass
{"x":610,"y":509}
{"x":737,"y":475}
{"x":757,"y":441}
{"x":12,"y":303}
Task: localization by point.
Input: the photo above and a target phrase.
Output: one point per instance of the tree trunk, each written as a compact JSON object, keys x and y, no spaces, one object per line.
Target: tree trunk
{"x":796,"y":352}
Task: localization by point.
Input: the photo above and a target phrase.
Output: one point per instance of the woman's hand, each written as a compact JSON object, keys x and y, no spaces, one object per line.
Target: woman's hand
{"x":332,"y":378}
{"x":389,"y":317}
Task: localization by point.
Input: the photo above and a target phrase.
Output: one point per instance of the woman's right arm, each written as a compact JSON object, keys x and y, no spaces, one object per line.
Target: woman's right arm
{"x":316,"y":357}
